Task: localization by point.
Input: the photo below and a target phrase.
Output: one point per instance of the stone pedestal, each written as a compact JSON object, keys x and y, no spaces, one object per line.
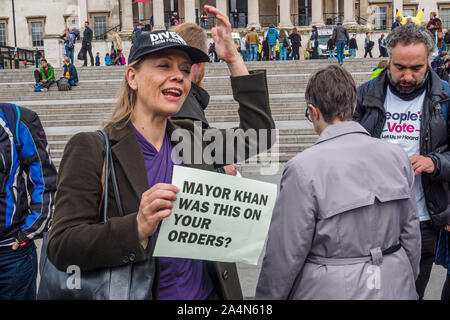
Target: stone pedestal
{"x":54,"y":50}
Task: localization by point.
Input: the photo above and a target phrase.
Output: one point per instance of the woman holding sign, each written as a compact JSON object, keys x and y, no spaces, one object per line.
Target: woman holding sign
{"x":156,"y":85}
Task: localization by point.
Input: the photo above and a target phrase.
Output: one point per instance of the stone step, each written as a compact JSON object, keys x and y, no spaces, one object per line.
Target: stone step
{"x":84,"y":84}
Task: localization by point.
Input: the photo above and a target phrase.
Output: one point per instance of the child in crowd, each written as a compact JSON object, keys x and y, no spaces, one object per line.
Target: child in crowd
{"x":97,"y":59}
{"x":107,"y":60}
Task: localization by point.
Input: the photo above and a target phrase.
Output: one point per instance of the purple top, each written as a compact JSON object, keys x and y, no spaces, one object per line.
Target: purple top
{"x":180,"y":279}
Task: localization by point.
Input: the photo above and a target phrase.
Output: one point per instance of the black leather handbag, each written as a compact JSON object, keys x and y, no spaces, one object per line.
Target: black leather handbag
{"x":133,"y":281}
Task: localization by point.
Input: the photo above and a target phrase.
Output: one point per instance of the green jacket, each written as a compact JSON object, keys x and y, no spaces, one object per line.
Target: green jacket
{"x":51,"y":73}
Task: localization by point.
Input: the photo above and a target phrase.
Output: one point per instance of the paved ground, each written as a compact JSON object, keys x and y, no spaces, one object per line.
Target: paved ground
{"x":249,"y":274}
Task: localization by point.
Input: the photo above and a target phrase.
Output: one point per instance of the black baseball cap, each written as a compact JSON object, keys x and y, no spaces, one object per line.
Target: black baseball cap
{"x":160,"y":40}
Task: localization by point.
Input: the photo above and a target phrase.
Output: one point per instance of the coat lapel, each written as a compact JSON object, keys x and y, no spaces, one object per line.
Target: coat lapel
{"x":126,"y":149}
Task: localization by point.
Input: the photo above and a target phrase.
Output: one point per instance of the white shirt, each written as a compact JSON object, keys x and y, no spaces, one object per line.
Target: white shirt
{"x":402,"y":128}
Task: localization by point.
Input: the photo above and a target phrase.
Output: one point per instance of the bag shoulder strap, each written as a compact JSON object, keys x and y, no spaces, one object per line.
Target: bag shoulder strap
{"x":12,"y":114}
{"x":109,"y":169}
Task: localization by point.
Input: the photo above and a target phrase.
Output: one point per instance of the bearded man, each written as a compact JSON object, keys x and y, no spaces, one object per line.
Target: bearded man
{"x":407,"y":105}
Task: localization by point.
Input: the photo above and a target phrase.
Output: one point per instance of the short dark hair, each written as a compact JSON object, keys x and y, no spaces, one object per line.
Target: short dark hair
{"x":338,"y":100}
{"x":411,"y":34}
{"x":43,"y":60}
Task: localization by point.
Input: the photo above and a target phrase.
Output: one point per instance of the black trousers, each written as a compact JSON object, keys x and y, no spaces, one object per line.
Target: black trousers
{"x":368,"y":52}
{"x":429,"y":240}
{"x":446,"y":289}
{"x":87,"y":48}
{"x":296,"y":54}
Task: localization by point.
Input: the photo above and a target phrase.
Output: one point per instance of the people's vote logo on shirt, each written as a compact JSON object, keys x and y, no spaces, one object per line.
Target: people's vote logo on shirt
{"x":404,"y":124}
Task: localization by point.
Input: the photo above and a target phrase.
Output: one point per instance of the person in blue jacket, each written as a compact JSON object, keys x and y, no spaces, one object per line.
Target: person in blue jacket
{"x":272,"y":37}
{"x":27,"y":193}
{"x":107,"y":60}
{"x":70,"y":72}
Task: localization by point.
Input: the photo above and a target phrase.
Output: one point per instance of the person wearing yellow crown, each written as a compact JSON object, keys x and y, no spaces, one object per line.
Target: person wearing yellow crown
{"x":404,"y":20}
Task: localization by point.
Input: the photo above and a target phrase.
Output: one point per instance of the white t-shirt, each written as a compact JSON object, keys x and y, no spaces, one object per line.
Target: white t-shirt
{"x":403,"y":129}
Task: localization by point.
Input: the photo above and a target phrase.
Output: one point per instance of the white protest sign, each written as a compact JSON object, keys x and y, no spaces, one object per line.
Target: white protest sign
{"x":216,"y":217}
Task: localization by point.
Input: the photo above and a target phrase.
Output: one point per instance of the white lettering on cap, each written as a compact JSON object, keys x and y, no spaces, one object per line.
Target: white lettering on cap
{"x":166,"y":36}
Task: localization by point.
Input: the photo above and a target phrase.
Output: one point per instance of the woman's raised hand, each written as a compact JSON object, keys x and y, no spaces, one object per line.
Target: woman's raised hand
{"x":156,"y":204}
{"x":224,"y":43}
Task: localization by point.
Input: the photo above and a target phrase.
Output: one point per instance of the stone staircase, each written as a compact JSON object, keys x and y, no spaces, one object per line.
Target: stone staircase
{"x":90,"y":103}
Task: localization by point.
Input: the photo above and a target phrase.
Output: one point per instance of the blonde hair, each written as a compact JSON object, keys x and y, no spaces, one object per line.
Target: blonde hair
{"x":67,"y":59}
{"x":193,"y":35}
{"x":383,"y":64}
{"x":126,"y":101}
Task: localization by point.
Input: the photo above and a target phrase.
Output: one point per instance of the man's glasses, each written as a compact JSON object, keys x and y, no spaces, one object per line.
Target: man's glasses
{"x":308,"y":112}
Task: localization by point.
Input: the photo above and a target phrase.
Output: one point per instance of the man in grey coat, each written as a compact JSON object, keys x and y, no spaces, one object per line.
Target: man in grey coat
{"x":345,"y":225}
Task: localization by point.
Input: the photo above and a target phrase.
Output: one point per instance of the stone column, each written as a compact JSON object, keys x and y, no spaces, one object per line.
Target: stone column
{"x":222,"y":6}
{"x":82,"y":13}
{"x":141,"y":10}
{"x":127,"y":16}
{"x":253,"y":14}
{"x":349,"y":12}
{"x":285,"y":14}
{"x":317,"y":13}
{"x":189,"y":11}
{"x":158,"y":15}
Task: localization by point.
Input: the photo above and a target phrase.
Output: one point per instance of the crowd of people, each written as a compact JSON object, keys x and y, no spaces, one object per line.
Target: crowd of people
{"x":362,"y":214}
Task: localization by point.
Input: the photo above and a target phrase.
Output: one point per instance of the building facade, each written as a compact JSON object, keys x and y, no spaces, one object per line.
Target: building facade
{"x":31,"y":23}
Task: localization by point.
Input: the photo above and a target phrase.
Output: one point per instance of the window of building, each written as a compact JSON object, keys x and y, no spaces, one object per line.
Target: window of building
{"x":37,"y":33}
{"x":380,"y":18}
{"x":100,"y":27}
{"x":409,"y":12}
{"x":3,"y":28}
{"x":445,"y":17}
{"x":72,"y":22}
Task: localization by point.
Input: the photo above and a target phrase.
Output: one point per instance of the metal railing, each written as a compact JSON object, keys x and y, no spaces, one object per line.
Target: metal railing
{"x":104,"y":35}
{"x":207,"y":23}
{"x":12,"y":57}
{"x":300,"y":20}
{"x":241,"y":22}
{"x":361,"y":20}
{"x":332,"y":18}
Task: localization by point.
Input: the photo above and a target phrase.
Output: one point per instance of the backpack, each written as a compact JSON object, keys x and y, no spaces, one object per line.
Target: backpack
{"x":285,"y":42}
{"x":38,"y":87}
{"x":64,"y":84}
{"x":133,"y":36}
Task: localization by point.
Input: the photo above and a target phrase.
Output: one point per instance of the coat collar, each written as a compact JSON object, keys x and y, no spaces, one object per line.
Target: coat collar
{"x":340,"y":129}
{"x":127,"y":150}
{"x":377,"y":93}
